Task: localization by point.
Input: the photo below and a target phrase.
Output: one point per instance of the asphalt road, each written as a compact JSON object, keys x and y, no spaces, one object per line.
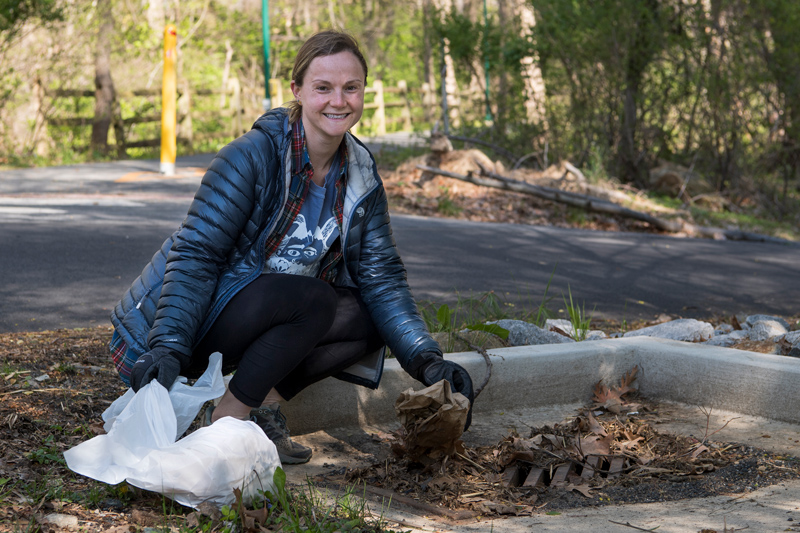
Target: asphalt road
{"x":73,"y":238}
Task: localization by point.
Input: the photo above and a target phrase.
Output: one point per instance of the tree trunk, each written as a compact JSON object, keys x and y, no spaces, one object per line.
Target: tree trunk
{"x":531,"y":73}
{"x":104,"y":86}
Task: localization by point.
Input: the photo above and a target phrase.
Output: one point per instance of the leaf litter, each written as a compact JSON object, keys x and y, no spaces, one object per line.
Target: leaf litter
{"x":608,"y":452}
{"x":54,"y":386}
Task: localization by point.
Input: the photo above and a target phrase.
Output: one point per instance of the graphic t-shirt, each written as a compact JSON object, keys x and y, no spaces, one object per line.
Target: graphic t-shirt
{"x":313,"y":231}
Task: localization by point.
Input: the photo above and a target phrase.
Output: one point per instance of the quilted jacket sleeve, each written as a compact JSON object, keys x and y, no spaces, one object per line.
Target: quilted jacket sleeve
{"x":384,"y":287}
{"x":217,"y":217}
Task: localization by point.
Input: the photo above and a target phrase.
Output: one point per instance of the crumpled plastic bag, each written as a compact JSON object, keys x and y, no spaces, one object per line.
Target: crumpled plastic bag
{"x":433,"y":420}
{"x":141,"y":445}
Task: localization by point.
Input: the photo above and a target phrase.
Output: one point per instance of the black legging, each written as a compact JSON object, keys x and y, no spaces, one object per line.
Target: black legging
{"x":287,"y":332}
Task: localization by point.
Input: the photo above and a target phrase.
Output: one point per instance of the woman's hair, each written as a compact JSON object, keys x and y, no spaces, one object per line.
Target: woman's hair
{"x":321,"y":44}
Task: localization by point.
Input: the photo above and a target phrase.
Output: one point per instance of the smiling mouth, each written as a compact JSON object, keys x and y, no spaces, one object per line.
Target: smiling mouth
{"x":336,"y":116}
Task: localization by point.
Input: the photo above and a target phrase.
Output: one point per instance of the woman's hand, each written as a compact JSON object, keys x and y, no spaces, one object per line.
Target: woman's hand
{"x":434,"y":368}
{"x":159,"y":364}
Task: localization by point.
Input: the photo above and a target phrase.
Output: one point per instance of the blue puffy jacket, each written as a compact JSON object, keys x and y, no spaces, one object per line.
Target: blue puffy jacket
{"x":219,"y":249}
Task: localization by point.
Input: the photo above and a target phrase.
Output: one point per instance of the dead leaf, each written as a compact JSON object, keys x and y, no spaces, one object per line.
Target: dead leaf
{"x":582,"y":488}
{"x":698,"y":451}
{"x":626,"y":383}
{"x":595,"y":445}
{"x":527,"y":456}
{"x":611,"y":399}
{"x":630,"y":444}
{"x":595,"y":426}
{"x":613,"y":405}
{"x":260,"y":515}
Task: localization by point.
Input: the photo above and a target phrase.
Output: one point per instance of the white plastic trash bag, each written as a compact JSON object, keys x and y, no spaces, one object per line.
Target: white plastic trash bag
{"x":140,"y":446}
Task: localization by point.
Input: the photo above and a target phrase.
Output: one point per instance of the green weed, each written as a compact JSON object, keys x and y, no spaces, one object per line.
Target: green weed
{"x":581,"y":322}
{"x":47,"y":453}
{"x":469,"y":313}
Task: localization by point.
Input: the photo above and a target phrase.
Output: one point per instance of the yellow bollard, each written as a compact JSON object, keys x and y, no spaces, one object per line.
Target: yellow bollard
{"x":169,"y":96}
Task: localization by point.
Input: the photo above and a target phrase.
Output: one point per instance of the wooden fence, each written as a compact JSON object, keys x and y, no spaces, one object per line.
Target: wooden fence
{"x":207,"y":114}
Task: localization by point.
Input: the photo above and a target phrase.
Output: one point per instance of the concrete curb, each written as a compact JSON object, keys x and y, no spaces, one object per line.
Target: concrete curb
{"x":537,"y":376}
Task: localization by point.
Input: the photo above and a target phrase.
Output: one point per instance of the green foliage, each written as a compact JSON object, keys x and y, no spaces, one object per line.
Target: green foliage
{"x":580,"y":321}
{"x":47,"y":453}
{"x":14,"y":13}
{"x":468,"y":313}
{"x":310,"y":509}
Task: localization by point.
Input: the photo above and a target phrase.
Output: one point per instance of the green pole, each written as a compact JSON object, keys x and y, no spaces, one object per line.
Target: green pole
{"x":267,"y":103}
{"x":486,"y":59}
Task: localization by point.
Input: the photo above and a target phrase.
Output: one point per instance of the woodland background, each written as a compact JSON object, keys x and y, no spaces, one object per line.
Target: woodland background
{"x":617,"y":87}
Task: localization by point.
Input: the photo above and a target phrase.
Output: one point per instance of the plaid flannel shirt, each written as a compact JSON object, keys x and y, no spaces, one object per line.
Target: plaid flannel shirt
{"x":302,"y":172}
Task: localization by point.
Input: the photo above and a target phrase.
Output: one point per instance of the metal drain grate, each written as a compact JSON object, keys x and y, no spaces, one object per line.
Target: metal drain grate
{"x":534,"y":477}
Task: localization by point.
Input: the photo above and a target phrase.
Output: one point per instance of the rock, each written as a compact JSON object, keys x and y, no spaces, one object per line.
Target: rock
{"x":793,"y":338}
{"x":723,"y":329}
{"x":766,"y":330}
{"x":726,"y":341}
{"x":794,"y":352}
{"x":683,"y":329}
{"x":753,"y":319}
{"x":65,"y":521}
{"x":521,"y":333}
{"x":596,"y":335}
{"x":560,"y":323}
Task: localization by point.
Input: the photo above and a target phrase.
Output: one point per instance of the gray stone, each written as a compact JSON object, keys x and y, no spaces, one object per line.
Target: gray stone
{"x":723,"y":329}
{"x":683,"y":329}
{"x":62,"y":520}
{"x":794,"y":352}
{"x":596,"y":335}
{"x":739,"y":334}
{"x":560,"y":323}
{"x":793,"y":338}
{"x":766,"y":330}
{"x":753,"y":319}
{"x":725,"y":341}
{"x":521,"y":333}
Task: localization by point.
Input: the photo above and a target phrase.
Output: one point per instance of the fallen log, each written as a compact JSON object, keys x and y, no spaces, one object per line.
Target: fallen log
{"x":599,"y":205}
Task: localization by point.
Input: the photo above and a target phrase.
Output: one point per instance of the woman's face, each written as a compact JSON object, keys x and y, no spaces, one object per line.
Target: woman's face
{"x":332,"y":97}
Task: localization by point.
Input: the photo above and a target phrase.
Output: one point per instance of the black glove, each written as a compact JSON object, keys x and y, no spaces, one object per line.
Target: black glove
{"x":159,"y":364}
{"x":431,"y":368}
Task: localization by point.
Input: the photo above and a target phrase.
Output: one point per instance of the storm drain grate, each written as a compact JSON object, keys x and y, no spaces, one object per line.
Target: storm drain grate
{"x":534,"y":477}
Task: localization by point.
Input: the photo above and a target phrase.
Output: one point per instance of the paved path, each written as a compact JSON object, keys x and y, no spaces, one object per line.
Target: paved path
{"x":73,"y":238}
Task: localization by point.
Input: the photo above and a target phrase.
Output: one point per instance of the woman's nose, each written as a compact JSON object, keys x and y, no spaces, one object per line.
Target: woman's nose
{"x":337,"y":98}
